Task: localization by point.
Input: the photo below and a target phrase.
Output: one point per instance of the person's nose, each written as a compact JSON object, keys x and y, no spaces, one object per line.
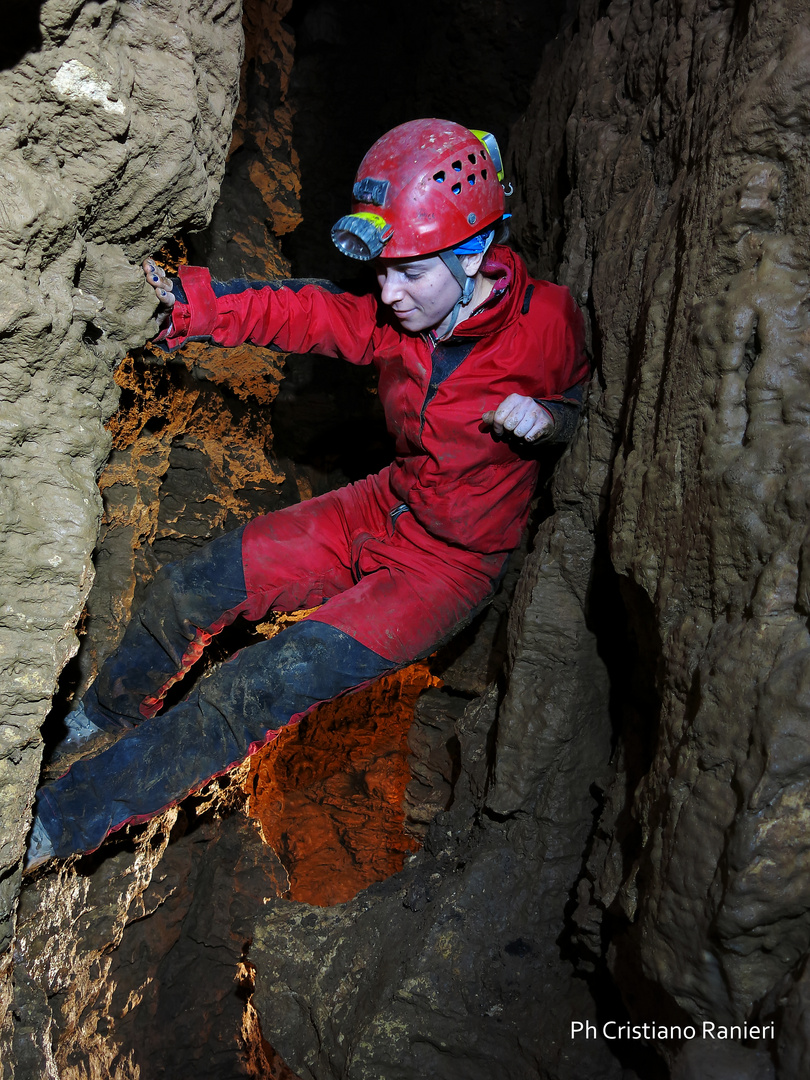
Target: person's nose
{"x":390,"y":289}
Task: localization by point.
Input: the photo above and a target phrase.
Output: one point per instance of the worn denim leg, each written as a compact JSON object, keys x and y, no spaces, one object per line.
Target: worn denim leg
{"x":185,"y":605}
{"x":228,"y":715}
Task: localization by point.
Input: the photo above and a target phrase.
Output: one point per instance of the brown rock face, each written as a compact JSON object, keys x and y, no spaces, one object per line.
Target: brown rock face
{"x":143,"y":956}
{"x":328,"y":793}
{"x":662,"y":175}
{"x":613,"y":794}
{"x":105,"y":150}
{"x":192,"y":452}
{"x":681,"y":222}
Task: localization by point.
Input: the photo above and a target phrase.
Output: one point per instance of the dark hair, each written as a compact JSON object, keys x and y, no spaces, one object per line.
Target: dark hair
{"x":501,"y":232}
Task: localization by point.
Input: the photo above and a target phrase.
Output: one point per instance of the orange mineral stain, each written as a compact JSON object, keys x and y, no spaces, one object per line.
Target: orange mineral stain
{"x":329,"y":792}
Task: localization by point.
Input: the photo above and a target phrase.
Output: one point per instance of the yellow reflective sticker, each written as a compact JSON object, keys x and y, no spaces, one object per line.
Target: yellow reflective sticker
{"x":492,"y":148}
{"x":375,"y":219}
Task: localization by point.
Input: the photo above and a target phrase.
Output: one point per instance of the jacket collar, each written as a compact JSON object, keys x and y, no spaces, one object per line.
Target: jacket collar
{"x":502,"y":306}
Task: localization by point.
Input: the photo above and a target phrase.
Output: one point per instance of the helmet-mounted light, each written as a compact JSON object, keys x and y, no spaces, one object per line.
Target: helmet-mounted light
{"x":362,"y":235}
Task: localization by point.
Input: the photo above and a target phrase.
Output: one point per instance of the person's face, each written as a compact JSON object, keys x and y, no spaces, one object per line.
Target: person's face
{"x":421,"y":292}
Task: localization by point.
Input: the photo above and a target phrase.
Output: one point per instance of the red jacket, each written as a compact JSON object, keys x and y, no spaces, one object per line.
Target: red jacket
{"x":464,"y":485}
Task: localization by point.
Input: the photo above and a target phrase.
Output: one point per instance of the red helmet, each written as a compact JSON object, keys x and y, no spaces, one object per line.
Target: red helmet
{"x":424,"y":187}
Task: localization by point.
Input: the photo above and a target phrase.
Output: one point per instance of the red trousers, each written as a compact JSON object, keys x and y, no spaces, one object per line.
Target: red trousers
{"x":385,"y":593}
{"x":389,"y":584}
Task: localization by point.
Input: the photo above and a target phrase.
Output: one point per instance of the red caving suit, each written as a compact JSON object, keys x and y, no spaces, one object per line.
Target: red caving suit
{"x":399,"y":582}
{"x":392,"y":564}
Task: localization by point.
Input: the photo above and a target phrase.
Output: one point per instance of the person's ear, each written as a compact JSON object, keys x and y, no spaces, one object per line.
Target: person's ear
{"x":471,"y":264}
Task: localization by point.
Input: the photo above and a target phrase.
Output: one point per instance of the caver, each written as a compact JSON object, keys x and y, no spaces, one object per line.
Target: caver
{"x":477,"y":363}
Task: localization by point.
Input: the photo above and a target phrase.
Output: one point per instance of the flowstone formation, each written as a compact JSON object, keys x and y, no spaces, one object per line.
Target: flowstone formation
{"x":192,"y":450}
{"x":105,"y":149}
{"x":667,"y":177}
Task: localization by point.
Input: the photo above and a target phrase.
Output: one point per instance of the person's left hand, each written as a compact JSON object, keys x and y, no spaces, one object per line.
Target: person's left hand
{"x":161,"y":284}
{"x":520,"y":416}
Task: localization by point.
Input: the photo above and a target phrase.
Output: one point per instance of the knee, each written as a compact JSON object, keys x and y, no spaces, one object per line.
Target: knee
{"x":306,"y":663}
{"x":212,"y":571}
{"x":168,"y":584}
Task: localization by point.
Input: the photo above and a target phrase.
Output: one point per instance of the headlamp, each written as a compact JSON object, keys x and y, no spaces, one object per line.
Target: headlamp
{"x":361,"y":236}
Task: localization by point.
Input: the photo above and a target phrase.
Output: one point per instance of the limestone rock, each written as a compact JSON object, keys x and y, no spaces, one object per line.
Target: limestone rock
{"x":671,"y":188}
{"x":616,"y":820}
{"x":105,"y":150}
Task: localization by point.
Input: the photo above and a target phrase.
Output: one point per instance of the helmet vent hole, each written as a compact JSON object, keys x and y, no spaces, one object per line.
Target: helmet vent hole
{"x":471,"y":178}
{"x":483,"y":174}
{"x":456,"y":189}
{"x":439,"y":177}
{"x":457,"y":166}
{"x":483,"y":155}
{"x":471,"y":158}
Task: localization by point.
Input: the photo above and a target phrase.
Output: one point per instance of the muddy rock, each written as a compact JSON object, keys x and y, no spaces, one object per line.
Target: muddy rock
{"x":678,"y":215}
{"x":612,"y":789}
{"x":466,"y":982}
{"x":106,"y":150}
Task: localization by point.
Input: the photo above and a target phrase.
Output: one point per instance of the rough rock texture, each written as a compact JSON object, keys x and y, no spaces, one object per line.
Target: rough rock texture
{"x":329,"y":794}
{"x":105,"y":150}
{"x":663,"y":176}
{"x":192,"y":452}
{"x":453,"y":967}
{"x":144,"y":974}
{"x":668,"y":174}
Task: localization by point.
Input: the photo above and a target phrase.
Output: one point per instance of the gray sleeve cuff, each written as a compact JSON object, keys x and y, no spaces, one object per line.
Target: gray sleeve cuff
{"x":565,"y":415}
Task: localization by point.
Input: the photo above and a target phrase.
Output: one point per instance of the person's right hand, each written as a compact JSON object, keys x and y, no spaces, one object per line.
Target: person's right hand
{"x":160,"y":283}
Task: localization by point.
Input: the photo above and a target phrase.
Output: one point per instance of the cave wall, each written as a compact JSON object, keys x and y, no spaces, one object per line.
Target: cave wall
{"x":666,"y":180}
{"x":192,"y":452}
{"x":106,"y":149}
{"x":108,"y":944}
{"x":660,"y":625}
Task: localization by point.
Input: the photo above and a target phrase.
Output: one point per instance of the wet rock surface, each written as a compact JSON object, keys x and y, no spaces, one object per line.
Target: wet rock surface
{"x":679,"y":218}
{"x":328,"y":795}
{"x":144,"y":974}
{"x":459,"y":948}
{"x":192,"y":448}
{"x":669,"y":193}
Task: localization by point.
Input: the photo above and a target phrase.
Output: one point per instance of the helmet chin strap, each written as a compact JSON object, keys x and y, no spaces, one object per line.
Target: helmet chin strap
{"x":453,"y":264}
{"x":474,"y":245}
{"x":465,"y":282}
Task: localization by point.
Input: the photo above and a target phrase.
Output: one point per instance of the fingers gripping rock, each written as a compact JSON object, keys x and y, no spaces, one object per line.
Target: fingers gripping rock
{"x":159,"y":282}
